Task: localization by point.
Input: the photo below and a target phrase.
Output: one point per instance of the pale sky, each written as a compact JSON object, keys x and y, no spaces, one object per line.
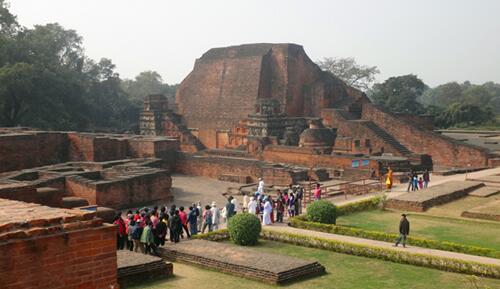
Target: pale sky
{"x":439,"y":40}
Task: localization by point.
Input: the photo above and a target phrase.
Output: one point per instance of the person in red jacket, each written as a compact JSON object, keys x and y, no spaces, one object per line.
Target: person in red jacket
{"x":184,"y":219}
{"x":121,"y":234}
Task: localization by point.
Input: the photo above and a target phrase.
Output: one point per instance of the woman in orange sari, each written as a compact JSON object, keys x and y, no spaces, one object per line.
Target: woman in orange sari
{"x":388,"y":180}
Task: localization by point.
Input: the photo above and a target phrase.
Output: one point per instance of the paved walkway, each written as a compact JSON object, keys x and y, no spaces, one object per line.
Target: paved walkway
{"x":385,"y":245}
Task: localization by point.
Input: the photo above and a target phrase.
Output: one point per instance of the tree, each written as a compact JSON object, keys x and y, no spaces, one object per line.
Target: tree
{"x":147,"y":82}
{"x":8,"y":21}
{"x":400,"y":93}
{"x":355,"y":75}
{"x":461,"y":114}
{"x":16,"y":91}
{"x":443,"y":95}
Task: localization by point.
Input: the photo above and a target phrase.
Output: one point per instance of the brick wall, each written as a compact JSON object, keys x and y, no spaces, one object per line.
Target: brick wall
{"x":308,"y":158}
{"x":214,"y":167}
{"x":79,"y":259}
{"x":53,"y":248}
{"x":27,"y":150}
{"x":444,"y":151}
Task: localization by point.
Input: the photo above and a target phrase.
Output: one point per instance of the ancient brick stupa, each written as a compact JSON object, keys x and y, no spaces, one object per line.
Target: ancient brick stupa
{"x":250,"y":96}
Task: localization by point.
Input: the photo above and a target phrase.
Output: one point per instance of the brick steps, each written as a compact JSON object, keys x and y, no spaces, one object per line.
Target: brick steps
{"x":386,"y":137}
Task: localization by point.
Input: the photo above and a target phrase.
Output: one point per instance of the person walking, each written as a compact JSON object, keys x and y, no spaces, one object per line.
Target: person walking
{"x":266,"y":216}
{"x":317,"y":192}
{"x":389,"y":180}
{"x":199,"y":215}
{"x":147,"y":238}
{"x":121,"y":233}
{"x":280,"y":208}
{"x":415,"y":182}
{"x":207,"y":219}
{"x":184,"y":219}
{"x":410,"y":181}
{"x":229,"y":209}
{"x":252,"y":206}
{"x":135,"y":231}
{"x":300,"y":196}
{"x":427,"y":178}
{"x":175,"y":227}
{"x":161,"y":231}
{"x":215,"y":216}
{"x":404,"y":230}
{"x":193,"y":220}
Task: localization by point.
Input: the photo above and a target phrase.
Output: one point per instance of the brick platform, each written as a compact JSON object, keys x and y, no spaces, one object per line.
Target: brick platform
{"x":51,"y":248}
{"x":489,"y":211}
{"x":134,"y":267}
{"x":485,"y":192}
{"x":241,"y":261}
{"x":422,"y":200}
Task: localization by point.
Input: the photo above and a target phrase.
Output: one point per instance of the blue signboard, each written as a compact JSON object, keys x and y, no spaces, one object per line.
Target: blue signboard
{"x":355,"y":164}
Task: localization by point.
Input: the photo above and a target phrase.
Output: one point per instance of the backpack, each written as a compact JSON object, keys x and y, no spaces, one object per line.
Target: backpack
{"x":136,"y":233}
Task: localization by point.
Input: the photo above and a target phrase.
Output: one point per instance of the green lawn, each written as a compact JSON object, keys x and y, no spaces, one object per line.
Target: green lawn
{"x":474,"y":233}
{"x":343,"y":271}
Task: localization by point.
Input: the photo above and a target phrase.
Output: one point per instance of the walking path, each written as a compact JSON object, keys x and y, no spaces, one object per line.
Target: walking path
{"x":283,"y":228}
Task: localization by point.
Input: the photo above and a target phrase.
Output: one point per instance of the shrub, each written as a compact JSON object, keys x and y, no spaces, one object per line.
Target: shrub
{"x":300,"y":222}
{"x":322,"y":212}
{"x":440,"y":263}
{"x":244,"y":229}
{"x":359,"y":206}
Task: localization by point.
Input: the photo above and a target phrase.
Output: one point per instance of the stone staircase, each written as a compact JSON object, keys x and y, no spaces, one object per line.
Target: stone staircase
{"x":387,"y":137}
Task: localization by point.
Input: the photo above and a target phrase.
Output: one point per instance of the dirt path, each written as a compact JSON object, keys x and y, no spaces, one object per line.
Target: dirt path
{"x":385,"y":245}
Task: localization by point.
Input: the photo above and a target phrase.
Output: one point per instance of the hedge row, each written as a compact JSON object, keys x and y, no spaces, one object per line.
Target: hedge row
{"x":440,"y":263}
{"x":300,"y":222}
{"x":219,"y":235}
{"x":359,"y":206}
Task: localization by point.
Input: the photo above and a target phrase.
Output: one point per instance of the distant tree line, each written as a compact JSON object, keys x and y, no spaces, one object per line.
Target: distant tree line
{"x":47,"y":81}
{"x":451,"y":104}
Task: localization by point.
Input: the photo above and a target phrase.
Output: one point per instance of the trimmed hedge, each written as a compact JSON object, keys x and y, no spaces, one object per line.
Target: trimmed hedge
{"x":219,"y":235}
{"x":441,"y":263}
{"x":301,"y":222}
{"x":359,"y":206}
{"x":244,"y":229}
{"x":322,"y":211}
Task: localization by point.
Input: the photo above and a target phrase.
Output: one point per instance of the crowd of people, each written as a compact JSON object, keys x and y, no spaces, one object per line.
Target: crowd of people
{"x":148,"y":228}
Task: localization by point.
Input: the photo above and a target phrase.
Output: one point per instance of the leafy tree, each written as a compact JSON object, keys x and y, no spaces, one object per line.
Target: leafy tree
{"x":355,"y":75}
{"x":443,"y":95}
{"x":147,"y":82}
{"x":8,"y":21}
{"x":400,"y":93}
{"x":461,"y":114}
{"x":16,"y":91}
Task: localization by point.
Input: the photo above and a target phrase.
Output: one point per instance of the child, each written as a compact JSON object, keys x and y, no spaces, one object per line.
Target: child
{"x":420,"y":183}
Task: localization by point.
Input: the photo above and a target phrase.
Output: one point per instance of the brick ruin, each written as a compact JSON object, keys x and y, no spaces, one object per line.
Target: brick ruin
{"x":244,"y":109}
{"x":45,"y":247}
{"x":67,"y":169}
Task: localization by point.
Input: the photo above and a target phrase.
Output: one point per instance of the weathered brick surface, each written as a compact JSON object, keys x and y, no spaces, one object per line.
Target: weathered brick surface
{"x":45,"y":247}
{"x":225,"y":83}
{"x":244,"y":262}
{"x":422,"y":200}
{"x":444,"y":151}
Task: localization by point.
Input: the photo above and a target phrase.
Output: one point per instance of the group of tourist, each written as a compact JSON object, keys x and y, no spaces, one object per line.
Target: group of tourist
{"x":147,"y":228}
{"x":415,"y":182}
{"x":286,"y":203}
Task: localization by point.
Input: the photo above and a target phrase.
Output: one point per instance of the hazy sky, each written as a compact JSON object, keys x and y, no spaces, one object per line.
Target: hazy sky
{"x":439,"y":40}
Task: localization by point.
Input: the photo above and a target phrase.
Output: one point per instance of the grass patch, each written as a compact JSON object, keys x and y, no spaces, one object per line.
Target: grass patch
{"x":472,"y":233}
{"x":343,"y":271}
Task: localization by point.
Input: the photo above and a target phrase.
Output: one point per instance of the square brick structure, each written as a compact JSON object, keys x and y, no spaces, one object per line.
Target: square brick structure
{"x":52,"y":248}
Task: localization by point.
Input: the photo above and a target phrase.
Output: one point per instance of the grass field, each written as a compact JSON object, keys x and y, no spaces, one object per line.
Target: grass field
{"x":343,"y":271}
{"x":474,"y":233}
